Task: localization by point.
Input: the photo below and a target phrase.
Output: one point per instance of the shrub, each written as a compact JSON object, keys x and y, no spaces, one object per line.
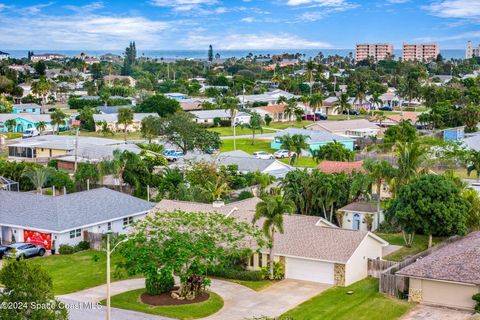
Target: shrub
{"x":245,"y":195}
{"x":476,"y":297}
{"x":66,"y":249}
{"x":387,"y":227}
{"x":229,"y":273}
{"x":160,"y":283}
{"x":216,"y":121}
{"x":278,"y":271}
{"x":83,"y":245}
{"x":225,"y":123}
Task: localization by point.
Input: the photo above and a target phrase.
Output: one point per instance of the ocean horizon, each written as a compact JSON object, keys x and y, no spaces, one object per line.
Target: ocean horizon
{"x":202,"y":54}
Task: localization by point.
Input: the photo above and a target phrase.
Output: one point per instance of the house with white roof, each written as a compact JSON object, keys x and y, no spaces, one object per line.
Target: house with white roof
{"x":358,"y":128}
{"x":311,"y":248}
{"x":208,"y":116}
{"x":112,"y":121}
{"x":270,"y":97}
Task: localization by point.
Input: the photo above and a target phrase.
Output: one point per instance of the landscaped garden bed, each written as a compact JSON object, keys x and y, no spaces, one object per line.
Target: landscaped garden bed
{"x":165,"y":299}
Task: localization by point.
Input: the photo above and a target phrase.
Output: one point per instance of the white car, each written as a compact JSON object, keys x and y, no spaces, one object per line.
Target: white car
{"x":262,"y":155}
{"x":30,"y":133}
{"x":281,"y":154}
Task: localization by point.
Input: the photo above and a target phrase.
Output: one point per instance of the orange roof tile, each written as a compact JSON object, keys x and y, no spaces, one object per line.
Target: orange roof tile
{"x":327,"y":166}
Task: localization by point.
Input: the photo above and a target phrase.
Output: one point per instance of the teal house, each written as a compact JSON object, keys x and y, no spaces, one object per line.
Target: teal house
{"x":315,"y":139}
{"x":31,"y":108}
{"x":22,"y":122}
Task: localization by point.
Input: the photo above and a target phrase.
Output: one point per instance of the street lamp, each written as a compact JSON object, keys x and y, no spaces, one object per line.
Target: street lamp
{"x":109,"y":251}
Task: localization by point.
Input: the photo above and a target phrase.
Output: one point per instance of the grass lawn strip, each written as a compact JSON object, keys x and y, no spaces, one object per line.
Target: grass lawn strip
{"x":131,"y":301}
{"x":420,"y":243}
{"x":364,"y":304}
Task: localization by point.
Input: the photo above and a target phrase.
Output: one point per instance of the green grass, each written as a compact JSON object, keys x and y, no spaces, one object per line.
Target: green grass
{"x":131,"y":301}
{"x":115,"y":136}
{"x":306,"y":162}
{"x":239,"y":131}
{"x":289,"y":124}
{"x":364,"y":304}
{"x":247,"y":146}
{"x":12,"y":135}
{"x":336,"y":117}
{"x":420,"y":243}
{"x":77,"y":271}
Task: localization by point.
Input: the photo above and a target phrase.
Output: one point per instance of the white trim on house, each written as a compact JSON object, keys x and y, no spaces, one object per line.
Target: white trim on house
{"x":374,"y":237}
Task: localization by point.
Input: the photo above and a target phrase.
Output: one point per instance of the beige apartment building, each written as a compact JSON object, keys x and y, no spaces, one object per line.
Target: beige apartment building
{"x":420,"y":52}
{"x":472,"y":51}
{"x":378,"y":51}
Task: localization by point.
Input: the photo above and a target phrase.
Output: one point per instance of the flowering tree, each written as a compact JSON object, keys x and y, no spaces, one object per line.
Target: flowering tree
{"x":187,"y":244}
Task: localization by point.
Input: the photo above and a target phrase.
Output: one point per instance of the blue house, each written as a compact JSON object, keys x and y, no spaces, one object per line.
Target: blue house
{"x":31,"y":108}
{"x":26,"y":121}
{"x":315,"y":139}
{"x":454,"y":134}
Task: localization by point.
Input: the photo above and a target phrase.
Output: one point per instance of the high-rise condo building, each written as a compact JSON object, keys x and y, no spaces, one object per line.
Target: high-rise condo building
{"x":420,"y":52}
{"x":378,"y":51}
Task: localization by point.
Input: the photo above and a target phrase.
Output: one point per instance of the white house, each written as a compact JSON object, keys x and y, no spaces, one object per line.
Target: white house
{"x":4,"y":55}
{"x":46,"y":57}
{"x":208,"y":116}
{"x":311,"y":248}
{"x":112,"y":121}
{"x":359,"y":128}
{"x":269,"y":97}
{"x":356,"y":216}
{"x":64,"y":219}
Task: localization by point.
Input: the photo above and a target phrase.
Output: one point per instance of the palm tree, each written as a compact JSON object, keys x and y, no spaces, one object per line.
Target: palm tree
{"x":256,"y":123}
{"x":379,"y":171}
{"x":38,"y":176}
{"x":474,"y":163}
{"x":11,"y":124}
{"x":116,"y":167}
{"x":271,"y":210}
{"x":58,"y":119}
{"x":125,"y":117}
{"x":291,"y":109}
{"x":104,"y":128}
{"x":380,"y":117}
{"x":375,"y":100}
{"x":411,"y":156}
{"x":216,"y":189}
{"x":42,"y":87}
{"x":282,"y":99}
{"x":310,"y":73}
{"x":231,"y":105}
{"x":315,"y":101}
{"x":342,"y":104}
{"x":360,"y":96}
{"x":288,"y":144}
{"x":299,"y":144}
{"x":41,"y":126}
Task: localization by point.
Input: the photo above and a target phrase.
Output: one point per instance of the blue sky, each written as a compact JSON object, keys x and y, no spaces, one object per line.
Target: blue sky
{"x":235,"y":24}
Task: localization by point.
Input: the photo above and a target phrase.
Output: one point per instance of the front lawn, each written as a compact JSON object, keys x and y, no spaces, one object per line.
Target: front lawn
{"x":228,"y":131}
{"x":130,"y":300}
{"x":307,"y":162}
{"x":77,"y":271}
{"x":247,"y":146}
{"x":290,"y":124}
{"x":420,"y":243}
{"x":366,"y":303}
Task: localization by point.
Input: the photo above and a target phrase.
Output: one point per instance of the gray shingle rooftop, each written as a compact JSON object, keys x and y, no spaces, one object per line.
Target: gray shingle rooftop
{"x":360,"y":206}
{"x":313,"y":136}
{"x":67,"y":212}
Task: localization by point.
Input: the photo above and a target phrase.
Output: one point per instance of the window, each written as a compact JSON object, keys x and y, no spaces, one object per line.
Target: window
{"x":251,"y":263}
{"x":75,"y":233}
{"x":260,"y":260}
{"x":127,"y":221}
{"x":109,"y":226}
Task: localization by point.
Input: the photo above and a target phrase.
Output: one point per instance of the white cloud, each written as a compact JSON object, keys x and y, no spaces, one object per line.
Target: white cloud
{"x":461,"y":36}
{"x":236,"y":41}
{"x":318,"y":15}
{"x":248,"y":19}
{"x":317,"y":3}
{"x":35,"y":9}
{"x":465,"y":9}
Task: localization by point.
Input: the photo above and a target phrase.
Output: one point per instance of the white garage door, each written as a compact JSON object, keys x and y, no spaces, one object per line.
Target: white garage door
{"x":309,"y":270}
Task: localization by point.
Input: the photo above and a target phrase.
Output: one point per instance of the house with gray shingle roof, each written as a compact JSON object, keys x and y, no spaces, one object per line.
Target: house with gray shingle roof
{"x":65,"y":218}
{"x":312,"y":248}
{"x":357,"y":215}
{"x":448,"y":276}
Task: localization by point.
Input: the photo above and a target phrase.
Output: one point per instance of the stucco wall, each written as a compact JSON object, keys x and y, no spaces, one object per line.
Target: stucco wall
{"x":440,"y":293}
{"x":347,"y":221}
{"x":356,"y":268}
{"x":45,"y":152}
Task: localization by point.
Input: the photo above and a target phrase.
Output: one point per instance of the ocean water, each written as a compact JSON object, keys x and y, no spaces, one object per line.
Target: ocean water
{"x":202,"y":54}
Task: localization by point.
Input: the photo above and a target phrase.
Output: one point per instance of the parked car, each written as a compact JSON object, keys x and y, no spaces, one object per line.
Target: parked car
{"x":24,"y":250}
{"x":30,"y":133}
{"x":168,"y":151}
{"x":351,"y":112}
{"x":2,"y":250}
{"x":385,"y":108}
{"x":174,"y":156}
{"x":315,"y":117}
{"x":281,"y":154}
{"x":262,"y":155}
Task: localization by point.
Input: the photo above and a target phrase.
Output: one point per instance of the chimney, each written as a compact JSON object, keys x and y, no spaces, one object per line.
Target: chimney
{"x":218,"y":203}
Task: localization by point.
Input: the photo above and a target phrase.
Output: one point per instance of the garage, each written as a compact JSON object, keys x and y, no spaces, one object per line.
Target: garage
{"x":309,"y":270}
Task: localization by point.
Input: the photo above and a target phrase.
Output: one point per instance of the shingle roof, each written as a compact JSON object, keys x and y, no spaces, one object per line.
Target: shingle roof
{"x":313,"y":136}
{"x":360,"y":206}
{"x":112,"y":109}
{"x":275,"y":108}
{"x":340,"y":166}
{"x":345,"y":125}
{"x":458,"y":261}
{"x":303,"y":236}
{"x":66,"y":212}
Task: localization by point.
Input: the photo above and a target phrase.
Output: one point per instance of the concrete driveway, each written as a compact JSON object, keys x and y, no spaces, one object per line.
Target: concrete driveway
{"x":240,"y":302}
{"x":423,"y":312}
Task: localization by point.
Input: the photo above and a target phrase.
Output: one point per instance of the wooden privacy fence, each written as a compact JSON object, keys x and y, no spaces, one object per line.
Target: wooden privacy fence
{"x":377,"y":266}
{"x":95,"y":239}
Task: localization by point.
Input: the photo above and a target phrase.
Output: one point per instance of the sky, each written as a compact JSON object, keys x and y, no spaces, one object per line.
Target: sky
{"x":235,"y":24}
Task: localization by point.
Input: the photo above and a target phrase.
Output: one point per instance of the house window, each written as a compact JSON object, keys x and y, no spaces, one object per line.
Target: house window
{"x":127,"y":221}
{"x":251,"y":263}
{"x":75,"y":233}
{"x":260,"y":260}
{"x":109,"y":226}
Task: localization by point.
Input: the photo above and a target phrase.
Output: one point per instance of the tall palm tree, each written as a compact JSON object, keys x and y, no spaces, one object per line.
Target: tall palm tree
{"x":41,"y":126}
{"x":282,"y":99}
{"x":292,"y":109}
{"x":125,"y":117}
{"x":231,"y":106}
{"x":42,"y":87}
{"x":299,"y":144}
{"x":11,"y":124}
{"x":315,"y":101}
{"x":38,"y":176}
{"x":271,"y":210}
{"x":256,"y":123}
{"x":58,"y":119}
{"x":342,"y":104}
{"x":288,"y":144}
{"x":411,"y":156}
{"x":375,"y":100}
{"x":380,"y":117}
{"x":379,"y":171}
{"x":310,"y":73}
{"x":104,"y":128}
{"x":361,"y":94}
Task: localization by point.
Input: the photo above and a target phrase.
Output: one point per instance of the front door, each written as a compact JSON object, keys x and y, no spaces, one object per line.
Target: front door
{"x":356,"y":222}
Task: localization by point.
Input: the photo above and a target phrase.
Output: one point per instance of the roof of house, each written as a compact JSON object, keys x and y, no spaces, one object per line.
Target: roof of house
{"x":341,"y":126}
{"x":216,"y":113}
{"x":267,"y":96}
{"x":112,"y":109}
{"x":113,"y":117}
{"x":190,"y":105}
{"x":67,"y":212}
{"x":407,"y":115}
{"x":26,"y":106}
{"x":64,"y":142}
{"x":457,"y":261}
{"x":96,"y":153}
{"x":328,"y":166}
{"x":312,"y":135}
{"x":472,"y":142}
{"x":360,"y":206}
{"x":274,"y":108}
{"x":303,"y":235}
{"x":30,"y":117}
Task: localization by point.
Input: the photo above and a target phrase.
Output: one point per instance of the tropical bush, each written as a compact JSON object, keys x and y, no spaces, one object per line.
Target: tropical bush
{"x":230,"y":273}
{"x":278,"y":271}
{"x":159,"y":284}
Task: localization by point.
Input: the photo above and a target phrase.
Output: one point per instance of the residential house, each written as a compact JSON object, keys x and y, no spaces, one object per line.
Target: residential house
{"x":327,"y":166}
{"x":315,"y":139}
{"x":25,"y":121}
{"x":329,"y":106}
{"x":110,"y":57}
{"x":390,"y":99}
{"x":358,"y":128}
{"x":208,"y":116}
{"x":42,"y":219}
{"x":27,"y":89}
{"x":192,"y":104}
{"x":270,"y":97}
{"x":112,"y":121}
{"x":112,"y":109}
{"x":472,"y":142}
{"x":361,"y":215}
{"x":31,"y":108}
{"x":275,"y":111}
{"x":176,"y":96}
{"x":395,"y":118}
{"x":447,"y":277}
{"x":4,"y":55}
{"x":112,"y":79}
{"x":46,"y":57}
{"x":311,"y":248}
